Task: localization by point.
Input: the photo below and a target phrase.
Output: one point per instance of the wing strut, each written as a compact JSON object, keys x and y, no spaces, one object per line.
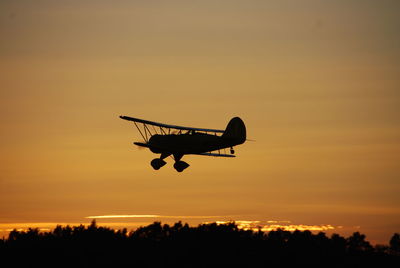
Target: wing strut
{"x":145,"y":139}
{"x":170,"y":126}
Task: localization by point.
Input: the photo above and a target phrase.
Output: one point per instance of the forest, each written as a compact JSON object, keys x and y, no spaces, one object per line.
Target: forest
{"x":181,"y":245}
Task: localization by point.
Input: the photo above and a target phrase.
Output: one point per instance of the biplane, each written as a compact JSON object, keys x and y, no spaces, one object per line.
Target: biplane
{"x":177,"y":141}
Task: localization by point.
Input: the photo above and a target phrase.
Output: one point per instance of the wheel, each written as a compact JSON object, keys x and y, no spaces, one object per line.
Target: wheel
{"x":157,"y":163}
{"x":180,"y":166}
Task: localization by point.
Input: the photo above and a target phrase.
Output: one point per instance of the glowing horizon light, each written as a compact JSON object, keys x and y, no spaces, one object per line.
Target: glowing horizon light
{"x":300,"y":227}
{"x":122,"y":216}
{"x":247,"y":222}
{"x":256,"y":226}
{"x":151,"y":216}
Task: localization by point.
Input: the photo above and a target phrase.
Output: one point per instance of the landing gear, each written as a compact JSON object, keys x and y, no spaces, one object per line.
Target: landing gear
{"x":157,"y":163}
{"x":232,"y":151}
{"x":180,"y":166}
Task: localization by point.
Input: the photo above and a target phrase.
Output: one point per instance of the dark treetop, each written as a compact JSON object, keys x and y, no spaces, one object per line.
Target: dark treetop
{"x":207,"y":245}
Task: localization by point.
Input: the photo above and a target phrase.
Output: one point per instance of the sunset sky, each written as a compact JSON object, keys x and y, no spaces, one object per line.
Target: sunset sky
{"x":317,"y":84}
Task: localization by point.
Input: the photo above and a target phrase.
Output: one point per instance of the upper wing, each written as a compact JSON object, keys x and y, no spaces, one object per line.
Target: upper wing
{"x":169,"y":126}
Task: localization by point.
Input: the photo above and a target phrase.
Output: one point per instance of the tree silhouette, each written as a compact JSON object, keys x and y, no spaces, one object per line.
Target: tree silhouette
{"x":357,"y":243}
{"x":394,"y":244}
{"x":180,"y":245}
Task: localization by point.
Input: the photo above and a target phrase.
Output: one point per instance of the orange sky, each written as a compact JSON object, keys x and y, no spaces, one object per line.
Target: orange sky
{"x":316,"y":82}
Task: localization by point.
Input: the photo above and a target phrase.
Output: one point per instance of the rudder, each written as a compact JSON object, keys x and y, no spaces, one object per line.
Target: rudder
{"x":235,"y":131}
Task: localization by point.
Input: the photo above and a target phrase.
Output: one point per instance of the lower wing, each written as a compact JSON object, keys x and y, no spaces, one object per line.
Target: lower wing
{"x":215,"y":154}
{"x":205,"y":154}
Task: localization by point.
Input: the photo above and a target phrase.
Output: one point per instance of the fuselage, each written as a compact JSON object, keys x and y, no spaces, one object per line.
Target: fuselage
{"x":191,"y":143}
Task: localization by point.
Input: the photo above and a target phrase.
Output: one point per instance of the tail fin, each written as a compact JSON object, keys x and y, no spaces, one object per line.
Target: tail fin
{"x":235,"y":131}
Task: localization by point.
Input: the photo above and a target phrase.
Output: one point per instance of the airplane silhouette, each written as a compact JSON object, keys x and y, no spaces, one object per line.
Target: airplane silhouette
{"x":187,"y":140}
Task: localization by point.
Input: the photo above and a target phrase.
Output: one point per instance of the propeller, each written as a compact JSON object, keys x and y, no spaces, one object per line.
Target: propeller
{"x":140,"y":147}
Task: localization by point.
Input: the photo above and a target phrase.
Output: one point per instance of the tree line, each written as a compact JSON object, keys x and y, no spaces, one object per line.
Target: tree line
{"x":180,"y":245}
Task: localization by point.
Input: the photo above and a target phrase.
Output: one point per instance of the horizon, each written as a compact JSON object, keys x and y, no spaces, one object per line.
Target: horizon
{"x":138,"y":221}
{"x":316,"y":84}
{"x":255,"y":226}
